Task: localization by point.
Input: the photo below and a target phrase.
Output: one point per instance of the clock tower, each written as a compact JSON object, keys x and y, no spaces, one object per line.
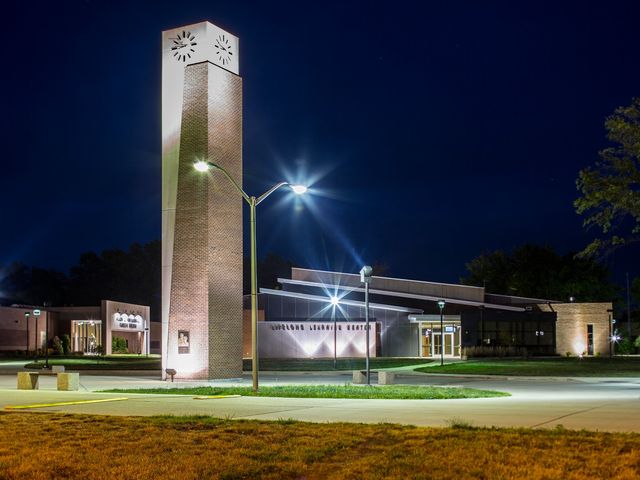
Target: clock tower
{"x":201,"y":213}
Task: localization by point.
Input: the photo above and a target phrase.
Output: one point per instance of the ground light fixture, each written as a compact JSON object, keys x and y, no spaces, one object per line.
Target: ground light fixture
{"x":365,"y":277}
{"x":204,"y":166}
{"x":441,"y":304}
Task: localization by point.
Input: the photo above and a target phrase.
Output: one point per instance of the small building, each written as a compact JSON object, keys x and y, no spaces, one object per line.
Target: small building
{"x":91,"y":329}
{"x":316,"y":314}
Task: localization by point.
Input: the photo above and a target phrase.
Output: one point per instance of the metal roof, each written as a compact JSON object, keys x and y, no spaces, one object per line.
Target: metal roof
{"x":391,"y":293}
{"x":343,"y":301}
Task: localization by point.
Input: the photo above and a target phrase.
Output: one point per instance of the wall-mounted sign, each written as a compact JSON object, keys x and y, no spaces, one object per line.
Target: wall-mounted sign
{"x":124,"y":321}
{"x":183,"y":341}
{"x":449,"y":329}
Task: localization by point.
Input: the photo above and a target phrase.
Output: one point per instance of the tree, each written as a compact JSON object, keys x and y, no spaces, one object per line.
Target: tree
{"x":539,"y":272}
{"x":26,"y":285}
{"x":610,"y":191}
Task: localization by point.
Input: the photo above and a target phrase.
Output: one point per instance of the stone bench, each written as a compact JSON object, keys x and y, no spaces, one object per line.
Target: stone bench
{"x":384,"y":378}
{"x":67,"y":381}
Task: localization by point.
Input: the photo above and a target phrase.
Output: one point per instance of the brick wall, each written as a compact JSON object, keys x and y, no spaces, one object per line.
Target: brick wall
{"x":206,"y":288}
{"x":571,"y":326}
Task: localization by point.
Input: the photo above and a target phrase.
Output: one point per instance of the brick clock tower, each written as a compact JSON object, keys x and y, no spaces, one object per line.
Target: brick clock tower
{"x":201,"y":213}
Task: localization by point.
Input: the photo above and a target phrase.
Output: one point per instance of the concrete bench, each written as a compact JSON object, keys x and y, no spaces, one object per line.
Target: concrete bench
{"x":384,"y":378}
{"x":68,"y":381}
{"x":65,"y":380}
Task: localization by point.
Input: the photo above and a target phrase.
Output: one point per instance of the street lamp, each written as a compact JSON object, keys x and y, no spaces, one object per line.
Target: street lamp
{"x":441,"y":304}
{"x":335,"y":301}
{"x":365,"y":277}
{"x":203,"y":166}
{"x":26,"y":318}
{"x":36,"y":313}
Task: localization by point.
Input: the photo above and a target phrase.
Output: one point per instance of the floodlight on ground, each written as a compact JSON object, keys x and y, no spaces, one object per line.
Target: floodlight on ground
{"x":298,"y":189}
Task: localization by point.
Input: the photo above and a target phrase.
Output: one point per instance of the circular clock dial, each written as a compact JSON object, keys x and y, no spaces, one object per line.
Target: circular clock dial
{"x":223,"y":49}
{"x":183,"y":46}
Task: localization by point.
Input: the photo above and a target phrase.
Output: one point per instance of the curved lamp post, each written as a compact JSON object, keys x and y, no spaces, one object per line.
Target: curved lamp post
{"x":203,"y":166}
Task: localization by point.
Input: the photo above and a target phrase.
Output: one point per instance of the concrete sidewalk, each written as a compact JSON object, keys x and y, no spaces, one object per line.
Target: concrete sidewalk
{"x":604,"y":404}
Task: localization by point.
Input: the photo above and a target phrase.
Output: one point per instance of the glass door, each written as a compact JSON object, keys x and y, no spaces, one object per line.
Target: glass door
{"x":448,"y":344}
{"x":425,"y":342}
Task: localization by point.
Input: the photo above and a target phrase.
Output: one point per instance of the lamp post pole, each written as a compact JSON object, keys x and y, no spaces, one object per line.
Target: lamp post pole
{"x":366,"y":319}
{"x":36,"y":313}
{"x":26,"y":318}
{"x":441,"y":306}
{"x":335,"y":339}
{"x":254,"y":295}
{"x":203,"y":166}
{"x":365,"y":277}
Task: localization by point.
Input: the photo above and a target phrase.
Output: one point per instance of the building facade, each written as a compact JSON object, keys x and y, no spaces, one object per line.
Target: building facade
{"x":300,"y":318}
{"x":90,"y":329}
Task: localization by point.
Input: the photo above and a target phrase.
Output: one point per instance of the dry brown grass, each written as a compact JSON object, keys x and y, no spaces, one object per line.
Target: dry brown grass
{"x":48,"y":446}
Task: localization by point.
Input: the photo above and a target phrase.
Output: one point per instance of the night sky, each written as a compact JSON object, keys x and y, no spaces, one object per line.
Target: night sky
{"x":430,"y":132}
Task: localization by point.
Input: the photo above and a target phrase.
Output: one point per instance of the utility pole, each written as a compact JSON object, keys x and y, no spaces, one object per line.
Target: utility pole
{"x":628,"y":310}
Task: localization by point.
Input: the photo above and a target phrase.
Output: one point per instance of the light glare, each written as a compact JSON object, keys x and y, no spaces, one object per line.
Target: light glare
{"x":298,"y":189}
{"x":335,"y":301}
{"x":201,"y":166}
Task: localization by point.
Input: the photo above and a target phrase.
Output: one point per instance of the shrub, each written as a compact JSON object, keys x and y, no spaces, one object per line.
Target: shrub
{"x":493,"y":351}
{"x":637,"y":342}
{"x":119,"y":345}
{"x":66,"y":344}
{"x":624,"y":346}
{"x":56,"y":345}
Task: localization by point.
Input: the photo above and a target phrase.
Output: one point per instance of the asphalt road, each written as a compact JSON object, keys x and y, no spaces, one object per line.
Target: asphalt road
{"x":606,"y":404}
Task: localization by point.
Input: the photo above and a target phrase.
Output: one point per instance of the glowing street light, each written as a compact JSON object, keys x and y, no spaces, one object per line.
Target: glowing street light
{"x":298,"y":189}
{"x":203,"y":166}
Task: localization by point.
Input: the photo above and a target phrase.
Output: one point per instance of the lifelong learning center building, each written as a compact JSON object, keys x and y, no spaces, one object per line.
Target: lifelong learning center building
{"x":320,"y":314}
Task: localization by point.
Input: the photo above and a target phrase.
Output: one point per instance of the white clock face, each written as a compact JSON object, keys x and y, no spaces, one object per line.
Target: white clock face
{"x":222,"y":47}
{"x":183,"y":46}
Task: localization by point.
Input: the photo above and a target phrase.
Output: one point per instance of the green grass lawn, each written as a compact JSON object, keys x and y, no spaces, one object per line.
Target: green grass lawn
{"x":326,"y":364}
{"x":559,"y":367}
{"x":108,"y":362}
{"x":397,"y":392}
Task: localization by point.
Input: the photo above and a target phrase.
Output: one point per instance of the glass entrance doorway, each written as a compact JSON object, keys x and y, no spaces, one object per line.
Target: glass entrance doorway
{"x":434,"y":343}
{"x":86,"y":336}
